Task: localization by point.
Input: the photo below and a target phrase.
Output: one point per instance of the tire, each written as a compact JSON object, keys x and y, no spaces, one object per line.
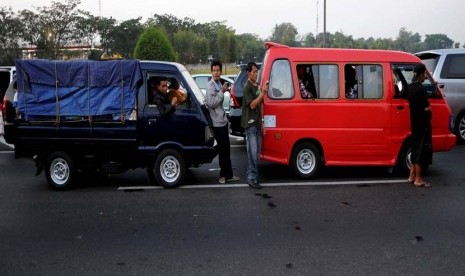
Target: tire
{"x":60,"y":171}
{"x":168,"y":170}
{"x":460,"y":128}
{"x":404,"y":162}
{"x":306,"y":161}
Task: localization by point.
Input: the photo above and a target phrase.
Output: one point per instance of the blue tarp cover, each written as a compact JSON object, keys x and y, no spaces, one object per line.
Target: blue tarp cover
{"x":77,"y":88}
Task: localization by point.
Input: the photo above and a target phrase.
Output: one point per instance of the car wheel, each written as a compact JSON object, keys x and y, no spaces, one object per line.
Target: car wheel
{"x":404,"y":161}
{"x":460,"y":128}
{"x":60,"y":170}
{"x":306,"y":161}
{"x":168,"y":170}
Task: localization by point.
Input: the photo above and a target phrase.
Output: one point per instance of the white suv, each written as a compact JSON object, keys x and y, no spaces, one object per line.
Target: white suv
{"x":448,"y":68}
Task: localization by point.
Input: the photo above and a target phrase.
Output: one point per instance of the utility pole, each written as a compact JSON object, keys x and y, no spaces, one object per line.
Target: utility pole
{"x":324,"y":24}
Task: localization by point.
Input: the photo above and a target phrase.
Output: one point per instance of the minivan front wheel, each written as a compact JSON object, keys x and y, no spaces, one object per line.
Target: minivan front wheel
{"x":306,"y":160}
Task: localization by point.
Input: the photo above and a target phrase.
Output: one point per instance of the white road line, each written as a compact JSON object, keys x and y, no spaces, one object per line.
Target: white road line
{"x":241,"y":185}
{"x":237,"y":146}
{"x":6,"y":151}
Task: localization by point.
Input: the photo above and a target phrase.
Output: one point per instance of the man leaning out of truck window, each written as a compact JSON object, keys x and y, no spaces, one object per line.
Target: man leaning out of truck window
{"x":159,"y":86}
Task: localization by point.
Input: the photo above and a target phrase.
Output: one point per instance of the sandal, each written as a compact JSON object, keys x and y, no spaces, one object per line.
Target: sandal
{"x":410,"y":181}
{"x":423,"y":184}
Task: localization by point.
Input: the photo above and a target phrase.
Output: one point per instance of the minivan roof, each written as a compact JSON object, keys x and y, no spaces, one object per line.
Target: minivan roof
{"x":300,"y":54}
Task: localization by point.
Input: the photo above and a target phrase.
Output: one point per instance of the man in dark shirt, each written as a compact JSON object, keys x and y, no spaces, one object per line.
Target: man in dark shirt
{"x":251,"y":121}
{"x":420,"y":123}
{"x":160,"y":97}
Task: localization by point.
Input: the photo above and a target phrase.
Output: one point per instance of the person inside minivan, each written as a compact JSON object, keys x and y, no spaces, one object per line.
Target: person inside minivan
{"x":350,"y":82}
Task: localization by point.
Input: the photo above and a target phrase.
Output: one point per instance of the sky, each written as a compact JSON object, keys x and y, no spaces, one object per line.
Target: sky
{"x":358,"y":18}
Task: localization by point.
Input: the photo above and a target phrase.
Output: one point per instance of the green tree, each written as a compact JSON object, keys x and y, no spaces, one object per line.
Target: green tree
{"x":154,"y":45}
{"x":309,"y":40}
{"x":438,"y":41}
{"x":122,"y":38}
{"x":249,"y":47}
{"x":226,"y":45}
{"x":407,"y":41}
{"x":105,"y":27}
{"x":57,"y":27}
{"x":189,"y":47}
{"x":183,"y":43}
{"x":87,"y":27}
{"x":340,"y":40}
{"x":285,"y":33}
{"x":9,"y":38}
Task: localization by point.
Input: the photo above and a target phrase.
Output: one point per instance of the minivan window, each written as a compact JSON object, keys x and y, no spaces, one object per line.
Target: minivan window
{"x":363,"y":81}
{"x":454,"y":67}
{"x":280,"y":86}
{"x":403,"y":74}
{"x":326,"y":78}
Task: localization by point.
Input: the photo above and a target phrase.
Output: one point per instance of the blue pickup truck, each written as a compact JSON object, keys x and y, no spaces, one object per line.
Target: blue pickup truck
{"x":86,"y":116}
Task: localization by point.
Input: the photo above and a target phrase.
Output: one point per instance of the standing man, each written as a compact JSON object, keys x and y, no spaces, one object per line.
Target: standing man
{"x":160,"y":97}
{"x":214,"y":102}
{"x":420,"y":123}
{"x":252,"y":122}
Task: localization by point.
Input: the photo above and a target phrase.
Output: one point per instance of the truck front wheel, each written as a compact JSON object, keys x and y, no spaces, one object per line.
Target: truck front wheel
{"x":168,"y":170}
{"x":60,"y":170}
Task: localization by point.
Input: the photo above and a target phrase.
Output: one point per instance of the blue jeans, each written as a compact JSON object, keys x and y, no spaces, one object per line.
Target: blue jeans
{"x":254,"y":143}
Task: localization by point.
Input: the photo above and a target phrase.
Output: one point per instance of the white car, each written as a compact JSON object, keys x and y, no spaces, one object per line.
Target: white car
{"x":202,"y":81}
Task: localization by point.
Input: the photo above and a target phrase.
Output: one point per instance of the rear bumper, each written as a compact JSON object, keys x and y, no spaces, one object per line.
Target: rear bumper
{"x":444,"y":142}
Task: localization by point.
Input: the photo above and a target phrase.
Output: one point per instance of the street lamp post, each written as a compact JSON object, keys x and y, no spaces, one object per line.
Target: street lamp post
{"x":324,"y":24}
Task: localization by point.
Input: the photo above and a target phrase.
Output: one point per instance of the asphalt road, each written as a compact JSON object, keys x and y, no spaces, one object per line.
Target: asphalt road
{"x":351,"y":221}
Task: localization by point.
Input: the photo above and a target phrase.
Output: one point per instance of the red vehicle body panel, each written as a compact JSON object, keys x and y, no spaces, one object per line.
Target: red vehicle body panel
{"x":368,"y":132}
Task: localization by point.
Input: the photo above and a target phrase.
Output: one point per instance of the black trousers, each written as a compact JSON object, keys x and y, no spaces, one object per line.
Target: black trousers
{"x":224,"y":150}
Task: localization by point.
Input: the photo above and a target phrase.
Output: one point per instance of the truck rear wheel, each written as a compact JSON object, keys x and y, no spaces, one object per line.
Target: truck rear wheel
{"x":168,"y":170}
{"x":60,"y":170}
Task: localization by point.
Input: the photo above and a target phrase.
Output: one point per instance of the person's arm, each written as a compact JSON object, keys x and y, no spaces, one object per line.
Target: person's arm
{"x":163,"y":107}
{"x":213,"y":98}
{"x":254,"y":103}
{"x":425,"y":102}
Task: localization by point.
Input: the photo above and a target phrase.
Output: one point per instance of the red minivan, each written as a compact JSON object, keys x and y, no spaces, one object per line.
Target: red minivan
{"x":343,"y":107}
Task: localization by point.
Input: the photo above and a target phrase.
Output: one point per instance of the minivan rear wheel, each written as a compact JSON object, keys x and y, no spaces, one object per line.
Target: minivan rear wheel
{"x":306,"y":160}
{"x":404,"y":161}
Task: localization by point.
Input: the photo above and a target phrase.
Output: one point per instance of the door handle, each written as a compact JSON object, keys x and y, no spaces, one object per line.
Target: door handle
{"x":152,"y":121}
{"x":400,"y":107}
{"x":441,"y":85}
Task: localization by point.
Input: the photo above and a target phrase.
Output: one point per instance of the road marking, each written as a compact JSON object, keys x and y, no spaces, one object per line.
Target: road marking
{"x":238,"y":146}
{"x":242,"y":185}
{"x":6,"y":151}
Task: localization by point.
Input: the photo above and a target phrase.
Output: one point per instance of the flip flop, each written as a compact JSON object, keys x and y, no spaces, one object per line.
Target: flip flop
{"x":410,"y":181}
{"x":423,"y":184}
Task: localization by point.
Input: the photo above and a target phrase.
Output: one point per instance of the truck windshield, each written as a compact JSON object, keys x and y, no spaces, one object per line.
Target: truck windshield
{"x":193,"y":85}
